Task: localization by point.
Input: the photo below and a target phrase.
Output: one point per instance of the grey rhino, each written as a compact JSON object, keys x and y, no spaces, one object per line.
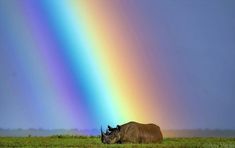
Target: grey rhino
{"x":132,"y":132}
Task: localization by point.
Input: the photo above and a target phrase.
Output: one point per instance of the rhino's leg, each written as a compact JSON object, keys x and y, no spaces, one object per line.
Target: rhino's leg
{"x":119,"y":142}
{"x":126,"y":142}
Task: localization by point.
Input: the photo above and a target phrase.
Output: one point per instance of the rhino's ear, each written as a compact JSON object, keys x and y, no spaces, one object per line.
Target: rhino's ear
{"x":110,"y":128}
{"x":118,"y":127}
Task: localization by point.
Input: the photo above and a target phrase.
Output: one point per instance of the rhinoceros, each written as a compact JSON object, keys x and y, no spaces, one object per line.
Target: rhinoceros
{"x":132,"y":132}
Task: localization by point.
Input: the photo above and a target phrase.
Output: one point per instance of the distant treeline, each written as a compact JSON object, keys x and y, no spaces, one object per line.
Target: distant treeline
{"x":46,"y":132}
{"x":95,"y":132}
{"x":199,"y":133}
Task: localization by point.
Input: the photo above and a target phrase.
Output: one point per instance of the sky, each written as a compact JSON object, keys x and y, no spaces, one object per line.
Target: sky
{"x":83,"y":64}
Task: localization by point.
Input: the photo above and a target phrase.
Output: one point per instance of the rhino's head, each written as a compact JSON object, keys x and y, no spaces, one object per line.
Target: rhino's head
{"x":111,"y":136}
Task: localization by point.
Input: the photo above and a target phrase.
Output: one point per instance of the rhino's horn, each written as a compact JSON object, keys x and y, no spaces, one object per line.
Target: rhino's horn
{"x":102,"y":134}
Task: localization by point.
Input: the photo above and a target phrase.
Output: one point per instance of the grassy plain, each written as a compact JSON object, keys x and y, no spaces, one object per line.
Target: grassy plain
{"x":86,"y":142}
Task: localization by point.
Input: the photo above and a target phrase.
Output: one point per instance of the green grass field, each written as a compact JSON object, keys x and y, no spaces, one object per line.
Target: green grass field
{"x":81,"y":141}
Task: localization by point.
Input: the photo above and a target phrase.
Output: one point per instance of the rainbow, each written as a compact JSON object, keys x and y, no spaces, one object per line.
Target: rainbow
{"x":84,"y":64}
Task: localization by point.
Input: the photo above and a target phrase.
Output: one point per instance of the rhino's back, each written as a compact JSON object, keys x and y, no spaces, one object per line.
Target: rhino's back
{"x":150,"y":133}
{"x":141,"y":133}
